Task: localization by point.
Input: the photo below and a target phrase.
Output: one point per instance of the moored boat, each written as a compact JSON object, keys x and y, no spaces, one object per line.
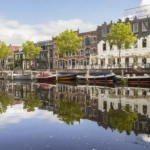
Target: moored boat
{"x":100,"y":77}
{"x":46,"y":76}
{"x":49,"y":77}
{"x":145,"y":79}
{"x":19,"y":74}
{"x":66,"y":77}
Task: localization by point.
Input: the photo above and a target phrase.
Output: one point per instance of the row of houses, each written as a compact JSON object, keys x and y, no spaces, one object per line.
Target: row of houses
{"x":95,"y":51}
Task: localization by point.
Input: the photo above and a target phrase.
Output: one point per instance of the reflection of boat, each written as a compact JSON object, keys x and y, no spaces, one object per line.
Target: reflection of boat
{"x":145,"y":79}
{"x":45,"y":85}
{"x":71,"y":82}
{"x":100,"y":77}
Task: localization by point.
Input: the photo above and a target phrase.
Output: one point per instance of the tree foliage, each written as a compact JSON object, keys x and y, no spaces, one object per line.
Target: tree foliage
{"x":5,"y":51}
{"x":30,"y":50}
{"x":68,"y":42}
{"x":121,"y":36}
{"x":69,"y":111}
{"x":4,"y":102}
{"x":32,"y":102}
{"x":122,"y":119}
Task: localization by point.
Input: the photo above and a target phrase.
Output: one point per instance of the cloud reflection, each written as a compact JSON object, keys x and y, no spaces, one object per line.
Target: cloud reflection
{"x":16,"y":113}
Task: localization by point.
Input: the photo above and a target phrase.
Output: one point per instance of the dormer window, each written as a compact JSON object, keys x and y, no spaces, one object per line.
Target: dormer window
{"x":144,"y":26}
{"x":135,"y":27}
{"x":104,"y":32}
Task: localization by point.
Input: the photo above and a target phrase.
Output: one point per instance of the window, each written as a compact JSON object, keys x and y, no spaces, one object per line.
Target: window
{"x":144,"y":26}
{"x":135,"y":27}
{"x":87,"y":41}
{"x":87,"y":61}
{"x":104,"y":32}
{"x":87,"y":52}
{"x":104,"y":46}
{"x":94,"y":39}
{"x":144,"y":43}
{"x":94,"y":51}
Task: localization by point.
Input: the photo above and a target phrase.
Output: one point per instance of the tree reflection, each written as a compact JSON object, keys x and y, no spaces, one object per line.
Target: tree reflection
{"x":122,"y":119}
{"x":32,"y":102}
{"x":69,"y":111}
{"x":4,"y":102}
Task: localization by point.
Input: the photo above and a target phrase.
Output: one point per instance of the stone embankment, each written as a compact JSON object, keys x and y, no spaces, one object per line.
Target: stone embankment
{"x":117,"y":71}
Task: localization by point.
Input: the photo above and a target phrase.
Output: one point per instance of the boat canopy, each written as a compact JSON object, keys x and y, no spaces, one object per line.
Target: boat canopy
{"x":101,"y":73}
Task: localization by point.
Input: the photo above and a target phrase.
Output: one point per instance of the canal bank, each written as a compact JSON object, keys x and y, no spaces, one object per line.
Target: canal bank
{"x":117,"y":71}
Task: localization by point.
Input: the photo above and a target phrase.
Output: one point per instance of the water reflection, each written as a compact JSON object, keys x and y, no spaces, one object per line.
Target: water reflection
{"x":123,"y":109}
{"x":69,"y":111}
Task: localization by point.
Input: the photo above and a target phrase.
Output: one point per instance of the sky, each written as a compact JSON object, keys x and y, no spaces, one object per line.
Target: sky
{"x":38,"y":20}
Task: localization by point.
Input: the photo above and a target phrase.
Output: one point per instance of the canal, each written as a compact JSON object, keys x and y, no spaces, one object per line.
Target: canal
{"x":65,"y":116}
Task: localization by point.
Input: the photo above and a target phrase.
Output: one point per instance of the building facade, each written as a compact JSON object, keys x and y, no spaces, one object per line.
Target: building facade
{"x":45,"y":59}
{"x":137,"y":56}
{"x":79,"y":60}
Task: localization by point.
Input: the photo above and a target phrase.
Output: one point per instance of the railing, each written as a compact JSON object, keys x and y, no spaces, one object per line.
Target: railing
{"x":111,"y":66}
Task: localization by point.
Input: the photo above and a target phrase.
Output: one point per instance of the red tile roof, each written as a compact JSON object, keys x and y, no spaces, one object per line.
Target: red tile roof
{"x":15,"y":48}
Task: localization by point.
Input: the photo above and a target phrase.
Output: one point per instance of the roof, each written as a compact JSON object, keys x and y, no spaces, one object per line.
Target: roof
{"x":15,"y":48}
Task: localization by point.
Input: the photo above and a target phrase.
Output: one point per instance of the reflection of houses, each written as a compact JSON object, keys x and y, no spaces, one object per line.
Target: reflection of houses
{"x":96,"y":101}
{"x":79,"y":60}
{"x":22,"y":90}
{"x":88,"y":101}
{"x":137,"y":56}
{"x":46,"y":93}
{"x":137,"y":98}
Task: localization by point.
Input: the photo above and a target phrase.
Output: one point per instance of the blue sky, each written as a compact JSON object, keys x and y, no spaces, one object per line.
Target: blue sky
{"x":37,"y":20}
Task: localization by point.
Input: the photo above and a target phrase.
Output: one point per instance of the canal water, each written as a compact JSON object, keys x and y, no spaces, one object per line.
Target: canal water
{"x":67,"y":116}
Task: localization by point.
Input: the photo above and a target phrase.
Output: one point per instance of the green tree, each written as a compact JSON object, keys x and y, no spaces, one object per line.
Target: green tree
{"x":68,"y":42}
{"x":30,"y":50}
{"x":32,"y":102}
{"x":122,"y":119}
{"x":69,"y":111}
{"x":121,"y":36}
{"x":4,"y":102}
{"x":5,"y":51}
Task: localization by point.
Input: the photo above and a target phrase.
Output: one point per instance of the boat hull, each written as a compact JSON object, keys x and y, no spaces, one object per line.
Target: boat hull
{"x":66,"y":77}
{"x":47,"y":79}
{"x":136,"y":80}
{"x":96,"y":79}
{"x":20,"y":77}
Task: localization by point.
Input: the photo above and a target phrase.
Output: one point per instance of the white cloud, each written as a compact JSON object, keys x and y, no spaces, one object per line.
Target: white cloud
{"x":140,"y":12}
{"x":144,"y":2}
{"x":12,"y":32}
